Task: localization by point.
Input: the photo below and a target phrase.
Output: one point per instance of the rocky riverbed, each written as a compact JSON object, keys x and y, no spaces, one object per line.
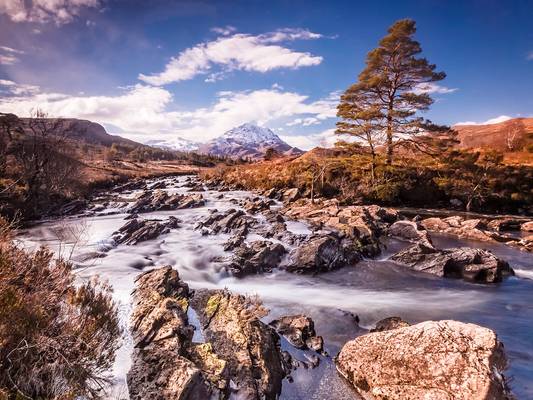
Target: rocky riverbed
{"x":290,"y":283}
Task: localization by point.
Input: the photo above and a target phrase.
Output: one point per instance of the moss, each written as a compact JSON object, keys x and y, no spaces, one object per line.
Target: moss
{"x":183,"y":303}
{"x":212,"y":305}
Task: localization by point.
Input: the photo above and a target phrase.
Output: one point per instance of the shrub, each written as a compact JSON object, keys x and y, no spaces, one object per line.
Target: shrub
{"x":57,"y":339}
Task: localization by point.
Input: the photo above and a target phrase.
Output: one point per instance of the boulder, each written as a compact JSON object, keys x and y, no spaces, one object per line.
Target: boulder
{"x":231,"y":323}
{"x":299,"y":330}
{"x":139,"y":230}
{"x":257,"y":257}
{"x":162,"y":368}
{"x":410,"y":231}
{"x":228,"y":221}
{"x":527,"y":226}
{"x":161,"y":201}
{"x":291,"y":195}
{"x":437,"y":360}
{"x":476,"y":265}
{"x":255,"y":205}
{"x":321,"y":253}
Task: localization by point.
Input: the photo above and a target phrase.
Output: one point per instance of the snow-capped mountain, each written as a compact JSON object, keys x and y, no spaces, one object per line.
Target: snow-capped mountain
{"x":247,"y":140}
{"x":177,"y":143}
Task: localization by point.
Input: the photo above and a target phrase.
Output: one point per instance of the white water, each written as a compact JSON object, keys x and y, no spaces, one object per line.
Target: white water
{"x":372,"y":289}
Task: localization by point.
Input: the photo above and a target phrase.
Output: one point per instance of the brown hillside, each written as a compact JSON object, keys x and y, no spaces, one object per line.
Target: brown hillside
{"x":510,"y":136}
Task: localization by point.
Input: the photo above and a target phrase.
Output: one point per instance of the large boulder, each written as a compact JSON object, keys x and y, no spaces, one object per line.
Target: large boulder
{"x":434,"y":360}
{"x":259,"y":256}
{"x":476,"y":265}
{"x":321,"y":253}
{"x":231,"y":323}
{"x":162,"y":368}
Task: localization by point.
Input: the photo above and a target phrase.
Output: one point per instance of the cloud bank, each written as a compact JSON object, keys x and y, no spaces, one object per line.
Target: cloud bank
{"x":42,"y":11}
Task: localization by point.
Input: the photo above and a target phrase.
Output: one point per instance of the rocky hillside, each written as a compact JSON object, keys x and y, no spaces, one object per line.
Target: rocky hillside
{"x":509,"y":136}
{"x":249,"y":141}
{"x":81,"y":130}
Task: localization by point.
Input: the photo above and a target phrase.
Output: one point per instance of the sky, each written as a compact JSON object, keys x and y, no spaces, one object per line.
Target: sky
{"x":194,"y":69}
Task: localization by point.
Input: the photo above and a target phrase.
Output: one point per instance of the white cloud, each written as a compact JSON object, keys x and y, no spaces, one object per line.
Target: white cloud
{"x":8,"y":55}
{"x":496,"y":120}
{"x":237,"y":52}
{"x":431,"y":88}
{"x":147,"y":112}
{"x":17,"y":89}
{"x":326,"y":138}
{"x":224,"y":31}
{"x":43,"y":11}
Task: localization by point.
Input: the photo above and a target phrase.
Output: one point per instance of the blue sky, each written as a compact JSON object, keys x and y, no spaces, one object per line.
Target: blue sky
{"x":159,"y":69}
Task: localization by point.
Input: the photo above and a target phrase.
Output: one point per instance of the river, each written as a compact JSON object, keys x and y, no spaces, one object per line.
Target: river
{"x":373,"y":289}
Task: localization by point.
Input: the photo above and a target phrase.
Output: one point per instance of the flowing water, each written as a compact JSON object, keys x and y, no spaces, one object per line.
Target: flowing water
{"x":373,"y":289}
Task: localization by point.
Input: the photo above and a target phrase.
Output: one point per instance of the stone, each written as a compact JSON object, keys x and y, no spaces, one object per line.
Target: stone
{"x":254,"y":361}
{"x":162,"y":201}
{"x":434,"y":360}
{"x":139,"y":230}
{"x":297,"y":329}
{"x":388,"y":324}
{"x":527,"y":226}
{"x":257,"y":257}
{"x":410,"y":231}
{"x":475,"y":265}
{"x":291,"y":195}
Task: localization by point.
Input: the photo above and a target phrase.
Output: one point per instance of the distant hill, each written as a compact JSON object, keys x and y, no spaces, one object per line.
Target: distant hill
{"x":249,"y":141}
{"x":86,"y":131}
{"x":509,"y":136}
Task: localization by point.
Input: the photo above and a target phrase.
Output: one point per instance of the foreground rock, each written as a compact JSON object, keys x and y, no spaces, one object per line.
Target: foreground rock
{"x":431,"y":360}
{"x":299,"y":330}
{"x":139,"y":230}
{"x":476,"y":265}
{"x":162,"y":201}
{"x":162,"y":368}
{"x":231,"y":323}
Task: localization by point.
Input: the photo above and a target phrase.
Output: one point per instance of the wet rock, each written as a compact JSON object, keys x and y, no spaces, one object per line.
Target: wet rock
{"x":321,"y":253}
{"x":298,"y":330}
{"x":504,"y":224}
{"x":161,"y":200}
{"x":475,"y":229}
{"x":139,"y":230}
{"x":158,"y":185}
{"x":291,"y":195}
{"x":527,"y":226}
{"x":258,"y":257}
{"x":162,"y":368}
{"x":273,"y":194}
{"x":228,"y":221}
{"x":73,"y":207}
{"x":476,"y":265}
{"x":198,"y":187}
{"x":256,"y":205}
{"x":237,"y":239}
{"x":411,"y":231}
{"x":389,"y":323}
{"x":430,"y":360}
{"x":254,"y":361}
{"x":136,"y":184}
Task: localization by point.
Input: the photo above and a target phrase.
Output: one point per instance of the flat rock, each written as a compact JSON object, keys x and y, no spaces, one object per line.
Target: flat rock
{"x":139,"y":230}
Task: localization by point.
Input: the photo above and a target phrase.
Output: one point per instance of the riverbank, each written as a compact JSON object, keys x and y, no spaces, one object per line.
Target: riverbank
{"x":373,"y":288}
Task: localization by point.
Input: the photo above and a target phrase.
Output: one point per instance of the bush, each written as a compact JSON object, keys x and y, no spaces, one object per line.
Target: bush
{"x":57,"y":340}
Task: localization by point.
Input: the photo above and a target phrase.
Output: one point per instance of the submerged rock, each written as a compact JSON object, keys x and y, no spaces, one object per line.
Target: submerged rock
{"x":139,"y":230}
{"x":437,"y":360}
{"x":231,"y":323}
{"x":388,"y":324}
{"x":476,"y":265}
{"x":299,"y":330}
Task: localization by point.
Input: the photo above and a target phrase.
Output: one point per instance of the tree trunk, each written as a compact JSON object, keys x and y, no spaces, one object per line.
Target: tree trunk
{"x":373,"y":168}
{"x":389,"y":136}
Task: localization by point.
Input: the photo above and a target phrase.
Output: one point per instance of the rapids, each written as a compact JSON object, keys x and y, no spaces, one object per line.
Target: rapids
{"x":373,"y":289}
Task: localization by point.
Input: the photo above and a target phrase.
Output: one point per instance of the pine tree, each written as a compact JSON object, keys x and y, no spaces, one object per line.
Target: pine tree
{"x":391,"y":90}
